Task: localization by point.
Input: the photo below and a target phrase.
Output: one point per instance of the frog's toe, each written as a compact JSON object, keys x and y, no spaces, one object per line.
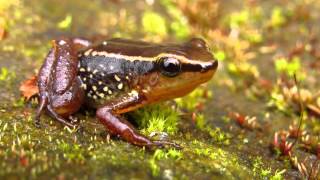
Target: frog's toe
{"x":37,"y":123}
{"x":59,"y":118}
{"x":159,"y":135}
{"x":164,"y":144}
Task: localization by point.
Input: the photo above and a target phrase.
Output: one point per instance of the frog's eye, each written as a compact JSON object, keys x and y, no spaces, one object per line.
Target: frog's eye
{"x":170,"y":66}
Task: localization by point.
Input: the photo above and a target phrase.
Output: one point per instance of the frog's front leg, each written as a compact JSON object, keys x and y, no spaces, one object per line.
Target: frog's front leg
{"x":60,"y":89}
{"x":109,"y":116}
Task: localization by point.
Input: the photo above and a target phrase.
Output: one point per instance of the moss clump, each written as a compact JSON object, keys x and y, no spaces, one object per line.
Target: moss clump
{"x":66,"y":22}
{"x":260,"y":170}
{"x":71,"y":152}
{"x":161,"y":155}
{"x":157,"y":118}
{"x":6,"y":74}
{"x":179,"y":24}
{"x":278,"y":17}
{"x":154,"y":24}
{"x":194,"y":99}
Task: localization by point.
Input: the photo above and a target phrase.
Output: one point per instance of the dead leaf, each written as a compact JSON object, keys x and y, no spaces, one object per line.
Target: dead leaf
{"x":314,"y":109}
{"x":29,"y":88}
{"x":2,"y":33}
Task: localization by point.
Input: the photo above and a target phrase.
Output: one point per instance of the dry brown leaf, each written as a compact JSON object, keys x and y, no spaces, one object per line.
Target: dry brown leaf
{"x":2,"y":33}
{"x":29,"y":88}
{"x":314,"y":109}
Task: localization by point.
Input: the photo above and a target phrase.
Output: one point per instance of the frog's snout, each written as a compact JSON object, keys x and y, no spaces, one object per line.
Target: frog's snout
{"x":209,"y":66}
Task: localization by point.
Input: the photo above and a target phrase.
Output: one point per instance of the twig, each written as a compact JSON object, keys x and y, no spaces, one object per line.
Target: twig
{"x":301,"y":108}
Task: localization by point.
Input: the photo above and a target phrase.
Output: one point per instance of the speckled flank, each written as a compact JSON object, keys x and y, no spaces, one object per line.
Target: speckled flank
{"x":103,"y":77}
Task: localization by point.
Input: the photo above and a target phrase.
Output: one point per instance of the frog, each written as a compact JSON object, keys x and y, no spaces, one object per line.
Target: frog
{"x":115,"y":76}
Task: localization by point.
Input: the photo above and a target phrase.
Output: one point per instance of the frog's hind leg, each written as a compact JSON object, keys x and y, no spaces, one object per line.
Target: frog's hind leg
{"x":43,"y":84}
{"x":109,"y":116}
{"x":59,"y":87}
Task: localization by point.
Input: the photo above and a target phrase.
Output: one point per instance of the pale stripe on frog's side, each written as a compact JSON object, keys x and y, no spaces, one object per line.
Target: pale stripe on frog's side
{"x":141,"y":58}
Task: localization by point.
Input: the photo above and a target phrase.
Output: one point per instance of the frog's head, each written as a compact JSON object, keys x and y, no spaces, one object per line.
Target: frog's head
{"x":180,"y":70}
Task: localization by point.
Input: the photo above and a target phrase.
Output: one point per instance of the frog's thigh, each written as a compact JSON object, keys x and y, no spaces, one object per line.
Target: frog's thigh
{"x":70,"y":101}
{"x":117,"y":125}
{"x":58,"y":79}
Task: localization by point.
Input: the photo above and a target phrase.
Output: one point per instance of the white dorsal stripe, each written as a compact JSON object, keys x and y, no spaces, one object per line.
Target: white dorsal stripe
{"x":141,"y":58}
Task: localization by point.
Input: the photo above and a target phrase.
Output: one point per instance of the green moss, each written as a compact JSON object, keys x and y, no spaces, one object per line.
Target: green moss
{"x":155,"y":169}
{"x":290,"y":67}
{"x":72,"y":152}
{"x":200,"y":121}
{"x":191,"y":102}
{"x":278,"y":100}
{"x":162,"y":155}
{"x":219,"y":136}
{"x":6,"y":74}
{"x":278,"y":175}
{"x":157,"y":118}
{"x":243,"y":69}
{"x":19,"y":102}
{"x":154,"y":24}
{"x":278,"y":17}
{"x":247,"y":23}
{"x":66,"y":22}
{"x":195,"y":98}
{"x":254,"y":37}
{"x":238,"y":19}
{"x":220,"y":55}
{"x":219,"y":159}
{"x":174,"y":154}
{"x":179,"y":24}
{"x":259,"y":170}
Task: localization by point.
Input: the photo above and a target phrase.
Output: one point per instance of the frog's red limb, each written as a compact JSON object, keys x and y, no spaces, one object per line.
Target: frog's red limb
{"x":29,"y":87}
{"x":117,"y":125}
{"x":43,"y":84}
{"x":59,"y":88}
{"x":57,"y":117}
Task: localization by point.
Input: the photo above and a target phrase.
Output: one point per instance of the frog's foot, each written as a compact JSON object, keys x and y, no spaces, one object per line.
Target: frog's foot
{"x":117,"y":125}
{"x":52,"y":113}
{"x":60,"y":119}
{"x":162,"y":140}
{"x":60,"y":89}
{"x":163,"y":144}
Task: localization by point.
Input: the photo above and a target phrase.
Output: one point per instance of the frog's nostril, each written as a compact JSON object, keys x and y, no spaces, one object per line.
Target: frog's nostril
{"x":213,"y":65}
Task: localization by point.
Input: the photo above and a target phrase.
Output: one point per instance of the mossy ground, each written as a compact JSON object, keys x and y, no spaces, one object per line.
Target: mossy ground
{"x":254,"y":42}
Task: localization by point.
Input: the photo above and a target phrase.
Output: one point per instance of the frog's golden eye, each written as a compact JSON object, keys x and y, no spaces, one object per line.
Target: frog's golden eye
{"x":170,"y":66}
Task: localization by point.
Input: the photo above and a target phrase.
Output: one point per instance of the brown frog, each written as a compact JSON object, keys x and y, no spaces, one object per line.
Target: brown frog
{"x":116,"y":76}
